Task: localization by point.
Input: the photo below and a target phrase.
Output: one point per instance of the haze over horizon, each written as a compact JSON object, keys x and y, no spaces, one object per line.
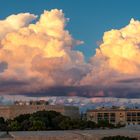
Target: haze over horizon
{"x":39,"y":57}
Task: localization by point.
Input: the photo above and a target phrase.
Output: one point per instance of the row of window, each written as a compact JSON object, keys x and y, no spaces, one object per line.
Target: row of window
{"x":106,"y":114}
{"x":133,"y":119}
{"x":113,"y":114}
{"x":111,"y":120}
{"x":133,"y":113}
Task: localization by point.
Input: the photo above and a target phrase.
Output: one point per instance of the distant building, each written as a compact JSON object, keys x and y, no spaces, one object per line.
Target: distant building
{"x":12,"y":111}
{"x":38,"y":102}
{"x":115,"y":115}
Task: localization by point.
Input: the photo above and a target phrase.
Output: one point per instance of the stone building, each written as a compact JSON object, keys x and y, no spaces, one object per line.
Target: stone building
{"x":115,"y":115}
{"x":11,"y":111}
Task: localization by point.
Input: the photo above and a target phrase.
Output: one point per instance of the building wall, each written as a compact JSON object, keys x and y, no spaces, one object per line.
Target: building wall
{"x":4,"y":112}
{"x":71,"y":111}
{"x":10,"y":112}
{"x":115,"y":116}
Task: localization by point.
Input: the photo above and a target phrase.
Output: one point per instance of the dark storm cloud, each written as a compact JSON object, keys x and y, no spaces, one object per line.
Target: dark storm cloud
{"x":11,"y":83}
{"x":88,"y":91}
{"x":130,"y":80}
{"x":12,"y":86}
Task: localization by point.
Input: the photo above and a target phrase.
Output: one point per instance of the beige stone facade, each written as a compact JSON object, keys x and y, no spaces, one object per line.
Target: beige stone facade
{"x":115,"y":116}
{"x":10,"y":112}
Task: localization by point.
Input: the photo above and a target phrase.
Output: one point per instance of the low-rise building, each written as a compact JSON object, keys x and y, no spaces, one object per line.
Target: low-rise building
{"x":12,"y":111}
{"x":115,"y":115}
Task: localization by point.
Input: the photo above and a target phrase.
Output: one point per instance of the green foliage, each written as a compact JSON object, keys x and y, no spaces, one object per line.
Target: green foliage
{"x":38,"y":125}
{"x":25,"y":125}
{"x":14,"y":125}
{"x":118,"y":138}
{"x":65,"y":124}
{"x":21,"y":118}
{"x":49,"y":120}
{"x":3,"y":125}
{"x":105,"y":123}
{"x":2,"y":121}
{"x":91,"y":124}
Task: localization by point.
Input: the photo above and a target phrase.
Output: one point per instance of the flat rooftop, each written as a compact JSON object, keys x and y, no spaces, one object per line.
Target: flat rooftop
{"x":73,"y":134}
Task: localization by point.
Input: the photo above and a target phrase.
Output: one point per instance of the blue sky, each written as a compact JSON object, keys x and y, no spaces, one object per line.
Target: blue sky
{"x":89,"y":19}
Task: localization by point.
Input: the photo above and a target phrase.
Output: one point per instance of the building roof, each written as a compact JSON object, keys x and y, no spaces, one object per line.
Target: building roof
{"x":77,"y":133}
{"x":111,"y":109}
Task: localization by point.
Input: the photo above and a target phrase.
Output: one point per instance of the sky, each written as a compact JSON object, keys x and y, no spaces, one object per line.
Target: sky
{"x":70,"y":48}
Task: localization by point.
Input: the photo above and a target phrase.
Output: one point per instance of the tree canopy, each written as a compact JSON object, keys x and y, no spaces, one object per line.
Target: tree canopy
{"x":48,"y":120}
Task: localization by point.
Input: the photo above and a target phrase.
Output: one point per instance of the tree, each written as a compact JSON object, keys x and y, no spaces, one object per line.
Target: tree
{"x":14,"y":126}
{"x":2,"y":121}
{"x":91,"y":124}
{"x":65,"y":124}
{"x":118,"y":138}
{"x":49,"y":120}
{"x":38,"y":125}
{"x":105,"y":123}
{"x":26,"y":125}
{"x":3,"y":124}
{"x":21,"y":118}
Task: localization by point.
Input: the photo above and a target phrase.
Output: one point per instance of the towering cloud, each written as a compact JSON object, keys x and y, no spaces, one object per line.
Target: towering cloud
{"x":36,"y":57}
{"x":117,"y":60}
{"x":39,"y":55}
{"x":119,"y":53}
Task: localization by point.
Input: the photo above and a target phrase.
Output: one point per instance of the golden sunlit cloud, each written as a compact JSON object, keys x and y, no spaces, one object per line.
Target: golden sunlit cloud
{"x":117,"y":56}
{"x":40,"y":54}
{"x":36,"y":56}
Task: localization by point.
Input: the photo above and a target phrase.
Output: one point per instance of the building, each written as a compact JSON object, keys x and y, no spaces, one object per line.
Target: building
{"x":38,"y":102}
{"x":12,"y":111}
{"x":115,"y":115}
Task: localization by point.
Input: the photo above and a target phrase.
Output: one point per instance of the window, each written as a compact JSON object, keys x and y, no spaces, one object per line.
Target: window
{"x":112,"y":120}
{"x":128,"y":118}
{"x":100,"y":119}
{"x":106,"y":114}
{"x":138,"y":119}
{"x":138,"y":114}
{"x":133,"y":113}
{"x":106,"y":118}
{"x":100,"y":115}
{"x":133,"y":119}
{"x":128,"y":114}
{"x":112,"y":114}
